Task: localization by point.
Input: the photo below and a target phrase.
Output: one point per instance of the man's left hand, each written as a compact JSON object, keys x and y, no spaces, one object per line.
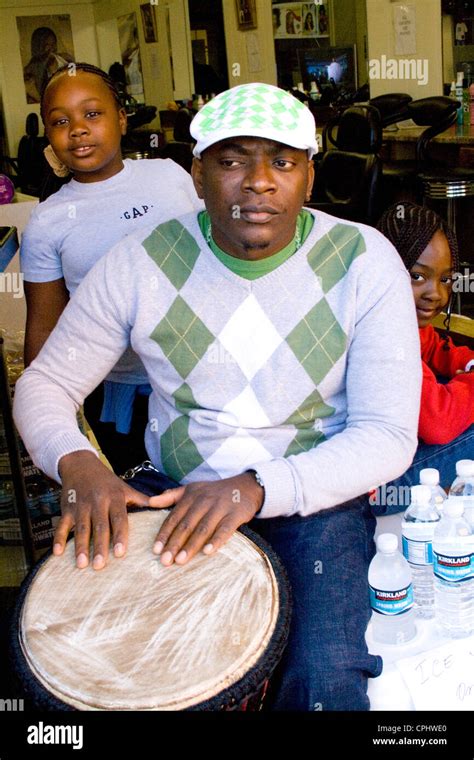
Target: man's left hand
{"x":205,"y":516}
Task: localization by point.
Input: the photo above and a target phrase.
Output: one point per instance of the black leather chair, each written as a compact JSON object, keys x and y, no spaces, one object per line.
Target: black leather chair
{"x":359,"y":130}
{"x":436,"y":114}
{"x":32,"y":165}
{"x":347,"y":182}
{"x":29,"y":169}
{"x":180,"y":149}
{"x":179,"y":152}
{"x":391,"y":106}
{"x":347,"y":185}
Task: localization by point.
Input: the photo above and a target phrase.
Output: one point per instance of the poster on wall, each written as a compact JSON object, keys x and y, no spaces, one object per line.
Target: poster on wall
{"x":130,"y":51}
{"x":291,"y":20}
{"x":46,"y":44}
{"x":246,"y":14}
{"x":404,"y":19}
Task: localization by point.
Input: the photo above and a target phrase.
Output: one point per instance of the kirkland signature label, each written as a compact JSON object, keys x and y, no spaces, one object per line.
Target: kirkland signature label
{"x":450,"y":568}
{"x":391,"y":602}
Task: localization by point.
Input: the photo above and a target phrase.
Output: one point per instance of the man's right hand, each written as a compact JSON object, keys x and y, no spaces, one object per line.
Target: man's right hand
{"x":93,"y":501}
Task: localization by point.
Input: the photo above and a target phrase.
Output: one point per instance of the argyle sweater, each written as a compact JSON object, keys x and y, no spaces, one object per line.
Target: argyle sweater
{"x":311,"y":374}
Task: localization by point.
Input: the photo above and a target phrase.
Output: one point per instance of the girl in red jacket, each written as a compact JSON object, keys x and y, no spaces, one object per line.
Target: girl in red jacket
{"x":429,"y":251}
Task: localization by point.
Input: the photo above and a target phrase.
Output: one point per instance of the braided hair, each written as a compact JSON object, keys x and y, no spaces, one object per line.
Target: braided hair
{"x":88,"y":68}
{"x":56,"y":179}
{"x":410,"y":228}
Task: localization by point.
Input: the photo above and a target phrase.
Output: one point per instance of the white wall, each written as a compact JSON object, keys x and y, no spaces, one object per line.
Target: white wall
{"x":15,"y":107}
{"x":361,"y":40}
{"x":155,"y":57}
{"x":181,"y":47}
{"x":381,"y":39}
{"x":449,"y":72}
{"x":238,"y":43}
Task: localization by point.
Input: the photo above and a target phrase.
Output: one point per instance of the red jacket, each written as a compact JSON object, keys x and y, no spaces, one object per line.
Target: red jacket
{"x":446,"y":410}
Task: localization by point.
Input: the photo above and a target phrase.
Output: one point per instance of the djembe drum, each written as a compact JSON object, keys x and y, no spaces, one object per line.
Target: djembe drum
{"x":141,"y":636}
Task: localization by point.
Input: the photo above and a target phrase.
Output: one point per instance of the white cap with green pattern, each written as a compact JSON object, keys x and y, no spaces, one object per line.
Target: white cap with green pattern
{"x":255,"y":110}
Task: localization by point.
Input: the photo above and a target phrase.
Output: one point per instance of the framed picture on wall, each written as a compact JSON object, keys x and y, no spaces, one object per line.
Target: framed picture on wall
{"x":131,"y":60}
{"x":46,"y":44}
{"x":246,"y":14}
{"x":149,"y":22}
{"x":291,"y":20}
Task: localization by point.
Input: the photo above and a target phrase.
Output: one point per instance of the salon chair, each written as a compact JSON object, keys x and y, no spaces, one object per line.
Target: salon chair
{"x":437,"y":114}
{"x":359,"y":130}
{"x":180,"y":148}
{"x":347,"y":181}
{"x":347,"y":185}
{"x":29,"y":169}
{"x":392,"y":107}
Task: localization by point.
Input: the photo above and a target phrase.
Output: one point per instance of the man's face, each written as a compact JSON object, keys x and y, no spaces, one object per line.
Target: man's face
{"x":253,"y":189}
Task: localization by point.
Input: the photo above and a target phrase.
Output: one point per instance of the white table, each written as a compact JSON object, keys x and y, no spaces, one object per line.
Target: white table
{"x":389,"y":691}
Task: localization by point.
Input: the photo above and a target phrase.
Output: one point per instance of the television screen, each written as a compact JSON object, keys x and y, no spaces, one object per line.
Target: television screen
{"x":329,"y":63}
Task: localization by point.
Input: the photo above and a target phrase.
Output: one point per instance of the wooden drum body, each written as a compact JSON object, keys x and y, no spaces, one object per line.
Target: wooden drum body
{"x":140,"y":636}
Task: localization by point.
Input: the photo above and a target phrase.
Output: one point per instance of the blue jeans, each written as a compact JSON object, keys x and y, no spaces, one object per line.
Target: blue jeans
{"x":326,"y":555}
{"x":442,"y":456}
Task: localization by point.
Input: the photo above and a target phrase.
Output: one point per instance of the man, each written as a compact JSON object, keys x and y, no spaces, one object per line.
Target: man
{"x":282,"y":349}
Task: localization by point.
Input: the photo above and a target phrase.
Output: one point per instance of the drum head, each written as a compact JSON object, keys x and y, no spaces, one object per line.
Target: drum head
{"x":140,"y":636}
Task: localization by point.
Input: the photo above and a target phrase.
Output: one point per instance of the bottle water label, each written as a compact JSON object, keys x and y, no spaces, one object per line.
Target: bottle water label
{"x":391,"y":602}
{"x":417,"y":552}
{"x":457,"y":568}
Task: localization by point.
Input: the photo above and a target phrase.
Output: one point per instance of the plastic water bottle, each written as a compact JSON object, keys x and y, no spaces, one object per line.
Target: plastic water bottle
{"x":418,"y":526}
{"x":430,"y":477}
{"x":463,"y":487}
{"x":453,"y":565}
{"x":459,"y":97}
{"x":391,"y":593}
